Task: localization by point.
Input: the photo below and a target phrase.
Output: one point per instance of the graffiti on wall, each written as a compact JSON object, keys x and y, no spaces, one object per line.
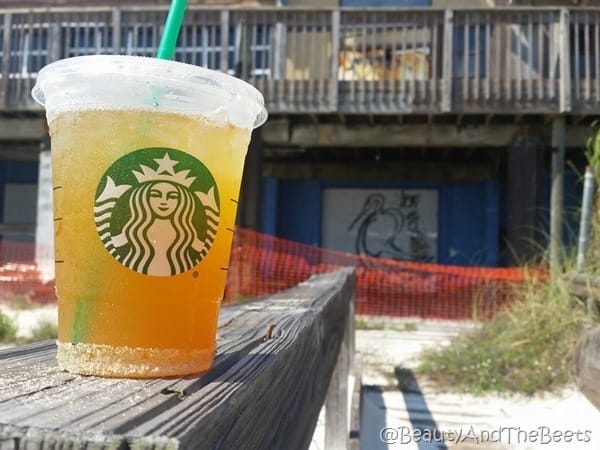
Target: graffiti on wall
{"x":390,"y":223}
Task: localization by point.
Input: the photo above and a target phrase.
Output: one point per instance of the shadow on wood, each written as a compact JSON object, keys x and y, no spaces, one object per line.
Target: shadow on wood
{"x":264,"y":390}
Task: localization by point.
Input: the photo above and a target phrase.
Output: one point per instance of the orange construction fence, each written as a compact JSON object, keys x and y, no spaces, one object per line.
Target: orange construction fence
{"x":262,"y":264}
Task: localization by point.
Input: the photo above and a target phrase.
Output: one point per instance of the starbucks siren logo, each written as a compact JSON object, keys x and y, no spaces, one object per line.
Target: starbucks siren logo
{"x":156,"y":219}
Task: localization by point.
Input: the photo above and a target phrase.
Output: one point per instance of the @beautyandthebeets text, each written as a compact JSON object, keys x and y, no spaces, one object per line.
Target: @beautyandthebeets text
{"x":506,"y":435}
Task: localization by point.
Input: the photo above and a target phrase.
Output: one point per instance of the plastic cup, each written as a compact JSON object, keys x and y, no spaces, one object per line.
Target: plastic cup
{"x":147,"y":159}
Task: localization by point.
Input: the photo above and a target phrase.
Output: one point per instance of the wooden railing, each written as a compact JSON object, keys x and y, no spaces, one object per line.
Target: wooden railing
{"x":280,"y":359}
{"x":424,"y":61}
{"x":587,"y":288}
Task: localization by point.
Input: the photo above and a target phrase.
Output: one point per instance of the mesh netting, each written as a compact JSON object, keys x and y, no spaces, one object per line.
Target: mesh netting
{"x":262,"y":264}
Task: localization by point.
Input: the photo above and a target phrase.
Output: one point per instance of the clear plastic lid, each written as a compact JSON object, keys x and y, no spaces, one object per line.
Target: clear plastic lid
{"x":134,"y":82}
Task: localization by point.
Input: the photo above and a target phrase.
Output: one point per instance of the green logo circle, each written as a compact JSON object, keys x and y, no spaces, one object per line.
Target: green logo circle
{"x":157,"y":211}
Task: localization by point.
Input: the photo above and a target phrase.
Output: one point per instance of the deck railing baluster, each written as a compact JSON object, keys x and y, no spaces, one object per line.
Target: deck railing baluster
{"x":488,"y":55}
{"x":597,"y":56}
{"x":519,"y":57}
{"x":433,"y":56}
{"x":302,"y":37}
{"x":392,"y":82}
{"x":335,"y":51}
{"x":412,"y":83}
{"x":565,"y":58}
{"x":530,"y":65}
{"x":496,"y":71}
{"x":403,"y":82}
{"x":465,"y":72}
{"x":586,"y":56}
{"x":448,"y":60}
{"x":476,"y":74}
{"x":576,"y":56}
{"x":553,"y":52}
{"x":116,"y":30}
{"x":377,"y":68}
{"x":540,"y":59}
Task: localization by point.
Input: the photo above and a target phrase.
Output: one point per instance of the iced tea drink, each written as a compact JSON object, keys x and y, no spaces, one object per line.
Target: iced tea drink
{"x":145,"y":198}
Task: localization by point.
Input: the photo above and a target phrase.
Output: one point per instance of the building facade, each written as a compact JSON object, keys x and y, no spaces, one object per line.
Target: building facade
{"x":423,"y":132}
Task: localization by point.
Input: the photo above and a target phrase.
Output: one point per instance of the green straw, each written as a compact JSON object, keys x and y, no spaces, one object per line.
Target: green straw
{"x":166,"y":49}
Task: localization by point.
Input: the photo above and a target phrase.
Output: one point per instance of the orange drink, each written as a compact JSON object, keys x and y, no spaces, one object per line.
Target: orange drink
{"x":145,"y":184}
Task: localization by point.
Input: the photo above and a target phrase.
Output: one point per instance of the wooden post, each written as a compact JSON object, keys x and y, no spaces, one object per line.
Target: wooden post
{"x":446,"y":105}
{"x":588,"y":366}
{"x":337,"y":408}
{"x":556,"y":194}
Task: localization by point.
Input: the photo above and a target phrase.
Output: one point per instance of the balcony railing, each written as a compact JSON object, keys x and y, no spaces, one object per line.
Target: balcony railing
{"x":376,"y":61}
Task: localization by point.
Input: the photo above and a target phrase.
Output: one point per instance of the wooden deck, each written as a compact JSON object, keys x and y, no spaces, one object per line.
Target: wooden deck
{"x":516,"y":61}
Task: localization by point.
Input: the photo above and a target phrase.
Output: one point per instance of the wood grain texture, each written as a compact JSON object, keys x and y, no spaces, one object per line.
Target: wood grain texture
{"x":258,"y":394}
{"x":588,"y":366}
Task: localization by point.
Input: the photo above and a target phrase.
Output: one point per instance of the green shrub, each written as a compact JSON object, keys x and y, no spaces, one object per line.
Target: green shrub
{"x":364,"y":323}
{"x":8,"y":328}
{"x":410,"y":326}
{"x":43,"y":331}
{"x":526,"y":348}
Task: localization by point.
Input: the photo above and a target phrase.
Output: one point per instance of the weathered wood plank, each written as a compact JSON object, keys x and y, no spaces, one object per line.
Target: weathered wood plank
{"x":336,"y":406}
{"x":437,"y":135}
{"x":260,"y":393}
{"x":24,"y":128}
{"x":285,"y":133}
{"x":588,"y":366}
{"x":413,"y":171}
{"x":356,"y":404}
